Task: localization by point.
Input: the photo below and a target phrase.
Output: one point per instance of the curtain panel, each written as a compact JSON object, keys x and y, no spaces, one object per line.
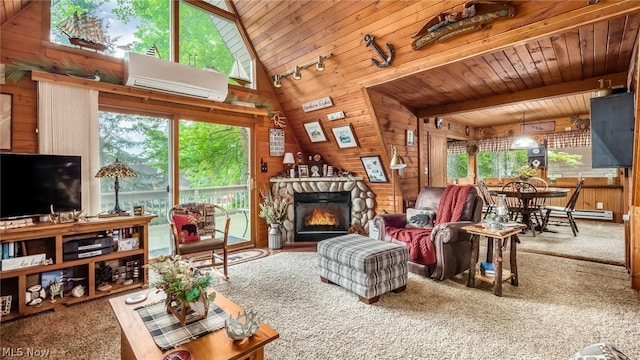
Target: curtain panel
{"x":68,"y":125}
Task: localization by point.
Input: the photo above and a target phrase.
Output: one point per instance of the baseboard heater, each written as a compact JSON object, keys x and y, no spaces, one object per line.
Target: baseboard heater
{"x":586,"y":214}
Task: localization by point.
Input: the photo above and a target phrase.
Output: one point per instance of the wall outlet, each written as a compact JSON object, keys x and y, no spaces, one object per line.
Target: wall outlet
{"x":599,"y":206}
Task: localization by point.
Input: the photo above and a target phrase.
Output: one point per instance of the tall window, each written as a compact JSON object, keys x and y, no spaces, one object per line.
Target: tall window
{"x":207,"y":40}
{"x":457,"y":160}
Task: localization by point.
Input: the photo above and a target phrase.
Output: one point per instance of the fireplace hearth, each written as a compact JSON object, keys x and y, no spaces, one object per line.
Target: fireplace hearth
{"x":321,"y":215}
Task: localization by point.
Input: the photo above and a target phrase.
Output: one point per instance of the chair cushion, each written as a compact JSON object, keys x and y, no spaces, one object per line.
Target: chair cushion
{"x":187,"y":227}
{"x":420,"y":218}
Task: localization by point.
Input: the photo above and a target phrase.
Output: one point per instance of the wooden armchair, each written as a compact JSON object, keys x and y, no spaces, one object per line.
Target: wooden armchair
{"x":200,"y":229}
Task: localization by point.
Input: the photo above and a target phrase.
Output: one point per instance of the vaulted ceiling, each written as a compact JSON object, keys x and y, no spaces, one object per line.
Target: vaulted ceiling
{"x":547,"y":77}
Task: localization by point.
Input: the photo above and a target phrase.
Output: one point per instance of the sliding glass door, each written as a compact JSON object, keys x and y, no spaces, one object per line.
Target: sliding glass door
{"x":214,"y":167}
{"x":142,"y":142}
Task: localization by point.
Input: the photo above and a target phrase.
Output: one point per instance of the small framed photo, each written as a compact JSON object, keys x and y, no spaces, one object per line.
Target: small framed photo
{"x":373,"y":166}
{"x":303,"y":171}
{"x":344,"y":136}
{"x":66,"y":217}
{"x":410,"y":138}
{"x":315,"y":132}
{"x":138,"y":210}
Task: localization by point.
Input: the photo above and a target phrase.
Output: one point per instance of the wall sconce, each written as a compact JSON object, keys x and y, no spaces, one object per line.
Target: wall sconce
{"x":297,"y":75}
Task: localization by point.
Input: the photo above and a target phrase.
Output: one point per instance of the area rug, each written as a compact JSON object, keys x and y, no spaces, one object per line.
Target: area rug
{"x":596,"y":241}
{"x":241,"y":256}
{"x":561,"y":306}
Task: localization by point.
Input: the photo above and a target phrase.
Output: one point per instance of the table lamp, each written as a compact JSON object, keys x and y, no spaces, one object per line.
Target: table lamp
{"x":396,"y":164}
{"x":116,"y":170}
{"x":289,"y":160}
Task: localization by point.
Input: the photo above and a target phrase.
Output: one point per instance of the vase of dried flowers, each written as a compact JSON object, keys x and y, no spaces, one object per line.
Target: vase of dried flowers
{"x":273,"y":209}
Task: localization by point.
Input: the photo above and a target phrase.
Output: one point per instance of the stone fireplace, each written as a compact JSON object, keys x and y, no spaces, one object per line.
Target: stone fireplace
{"x":339,"y":202}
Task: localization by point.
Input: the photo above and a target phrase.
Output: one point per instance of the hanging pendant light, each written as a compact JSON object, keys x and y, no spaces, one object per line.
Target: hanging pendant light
{"x":523,"y":141}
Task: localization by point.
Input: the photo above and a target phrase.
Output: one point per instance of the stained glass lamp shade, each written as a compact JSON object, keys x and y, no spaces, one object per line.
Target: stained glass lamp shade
{"x":116,"y":170}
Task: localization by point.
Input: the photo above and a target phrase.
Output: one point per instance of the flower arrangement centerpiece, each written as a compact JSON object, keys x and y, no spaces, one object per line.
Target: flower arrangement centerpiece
{"x":186,"y":288}
{"x":273,"y":207}
{"x":525,"y":172}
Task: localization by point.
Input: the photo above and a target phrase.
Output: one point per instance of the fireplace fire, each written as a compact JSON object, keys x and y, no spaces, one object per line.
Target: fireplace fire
{"x":321,"y":215}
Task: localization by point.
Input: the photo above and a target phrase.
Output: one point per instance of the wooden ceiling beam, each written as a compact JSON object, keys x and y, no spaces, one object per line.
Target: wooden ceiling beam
{"x":546,"y":92}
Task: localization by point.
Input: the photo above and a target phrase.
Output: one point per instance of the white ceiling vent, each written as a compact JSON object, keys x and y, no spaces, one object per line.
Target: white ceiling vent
{"x":147,"y":72}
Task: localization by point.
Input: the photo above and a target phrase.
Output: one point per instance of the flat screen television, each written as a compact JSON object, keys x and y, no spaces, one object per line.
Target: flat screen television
{"x":612,"y":131}
{"x":31,"y":183}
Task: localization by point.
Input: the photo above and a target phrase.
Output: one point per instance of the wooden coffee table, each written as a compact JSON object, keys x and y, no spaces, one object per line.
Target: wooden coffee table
{"x":137,"y":343}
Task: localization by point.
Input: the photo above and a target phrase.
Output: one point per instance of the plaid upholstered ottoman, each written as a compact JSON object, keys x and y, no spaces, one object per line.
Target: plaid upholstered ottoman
{"x":363,"y":265}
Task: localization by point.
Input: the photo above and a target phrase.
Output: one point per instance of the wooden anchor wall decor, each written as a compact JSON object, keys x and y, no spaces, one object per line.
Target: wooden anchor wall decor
{"x":471,"y":18}
{"x":386,"y":60}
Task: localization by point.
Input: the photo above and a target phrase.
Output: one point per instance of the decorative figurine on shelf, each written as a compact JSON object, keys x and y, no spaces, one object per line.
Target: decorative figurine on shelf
{"x":55,"y":288}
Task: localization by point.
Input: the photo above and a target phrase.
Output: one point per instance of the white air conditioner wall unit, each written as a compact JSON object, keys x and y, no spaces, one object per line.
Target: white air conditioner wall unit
{"x":147,"y":72}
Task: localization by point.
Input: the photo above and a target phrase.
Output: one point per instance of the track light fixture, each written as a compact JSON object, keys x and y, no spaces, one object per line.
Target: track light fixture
{"x":296,"y":72}
{"x":276,"y":81}
{"x":320,"y":64}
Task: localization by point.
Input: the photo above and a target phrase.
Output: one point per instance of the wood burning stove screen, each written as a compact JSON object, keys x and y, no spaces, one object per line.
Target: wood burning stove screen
{"x":321,"y":215}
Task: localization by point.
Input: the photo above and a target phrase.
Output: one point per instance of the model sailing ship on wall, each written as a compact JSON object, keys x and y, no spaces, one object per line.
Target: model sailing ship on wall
{"x":85,"y":31}
{"x":238,"y":74}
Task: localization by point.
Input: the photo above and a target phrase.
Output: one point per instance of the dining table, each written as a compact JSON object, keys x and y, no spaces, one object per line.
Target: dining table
{"x":528,"y":198}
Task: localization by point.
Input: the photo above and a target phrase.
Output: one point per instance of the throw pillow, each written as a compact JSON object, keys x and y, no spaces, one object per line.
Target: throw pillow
{"x":187,"y":226}
{"x":420,"y":218}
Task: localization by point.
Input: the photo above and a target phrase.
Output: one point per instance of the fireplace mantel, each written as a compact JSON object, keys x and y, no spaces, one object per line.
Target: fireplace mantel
{"x":362,"y":198}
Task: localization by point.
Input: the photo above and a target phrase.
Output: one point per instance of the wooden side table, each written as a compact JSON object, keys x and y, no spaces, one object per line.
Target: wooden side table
{"x":497,"y":240}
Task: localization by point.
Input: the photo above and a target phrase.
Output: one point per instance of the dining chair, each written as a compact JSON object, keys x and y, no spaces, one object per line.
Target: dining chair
{"x":489,"y":200}
{"x":538,"y":202}
{"x":567,"y":209}
{"x":201,"y":229}
{"x":521,"y":207}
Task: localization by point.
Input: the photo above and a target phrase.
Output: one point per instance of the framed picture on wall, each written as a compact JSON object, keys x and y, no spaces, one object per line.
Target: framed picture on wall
{"x":373,"y":167}
{"x":5,"y":121}
{"x":410,"y":138}
{"x":315,"y":132}
{"x":344,"y":136}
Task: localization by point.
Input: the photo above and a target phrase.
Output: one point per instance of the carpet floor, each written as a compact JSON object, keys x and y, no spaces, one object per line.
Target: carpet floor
{"x":561,"y":306}
{"x":596,"y":241}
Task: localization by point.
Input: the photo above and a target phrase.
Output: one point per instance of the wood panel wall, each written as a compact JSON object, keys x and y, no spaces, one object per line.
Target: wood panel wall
{"x":25,"y":37}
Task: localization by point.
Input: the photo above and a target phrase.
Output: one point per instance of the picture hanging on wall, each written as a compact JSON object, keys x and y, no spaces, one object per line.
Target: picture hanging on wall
{"x":276,"y":142}
{"x":315,"y":132}
{"x":5,"y":121}
{"x":344,"y":136}
{"x":373,"y":167}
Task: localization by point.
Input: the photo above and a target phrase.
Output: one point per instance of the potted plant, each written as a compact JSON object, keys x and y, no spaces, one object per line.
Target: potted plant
{"x":273,"y":208}
{"x":525,"y":172}
{"x":185,"y":286}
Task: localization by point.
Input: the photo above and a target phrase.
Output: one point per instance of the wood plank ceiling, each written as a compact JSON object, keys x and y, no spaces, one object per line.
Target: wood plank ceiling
{"x":546,"y":78}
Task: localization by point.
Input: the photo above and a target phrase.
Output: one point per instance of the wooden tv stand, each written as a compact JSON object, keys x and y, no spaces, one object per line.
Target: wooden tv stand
{"x":48,"y":238}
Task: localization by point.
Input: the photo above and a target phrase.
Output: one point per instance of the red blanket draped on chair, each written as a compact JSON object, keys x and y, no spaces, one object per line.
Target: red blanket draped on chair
{"x":418,"y":240}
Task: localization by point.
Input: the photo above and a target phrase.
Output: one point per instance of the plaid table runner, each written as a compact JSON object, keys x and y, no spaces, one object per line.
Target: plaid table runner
{"x":165,"y":328}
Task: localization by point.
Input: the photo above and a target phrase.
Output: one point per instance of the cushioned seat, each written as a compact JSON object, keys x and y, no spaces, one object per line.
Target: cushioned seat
{"x":363,"y":265}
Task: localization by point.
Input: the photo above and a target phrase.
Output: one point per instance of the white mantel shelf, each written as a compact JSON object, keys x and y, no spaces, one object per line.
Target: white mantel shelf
{"x":315,"y":179}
